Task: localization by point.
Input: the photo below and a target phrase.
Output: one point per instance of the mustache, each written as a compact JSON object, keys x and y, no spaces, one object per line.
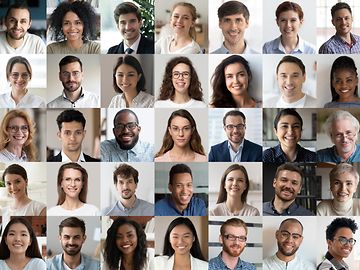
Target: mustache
{"x":287,"y":189}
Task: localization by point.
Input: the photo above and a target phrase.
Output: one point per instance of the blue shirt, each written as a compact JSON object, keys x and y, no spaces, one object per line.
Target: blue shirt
{"x":224,"y":50}
{"x":166,"y":207}
{"x":329,"y":155}
{"x":293,"y":210}
{"x":337,"y":45}
{"x":276,"y":155}
{"x":87,"y":263}
{"x":218,"y":264}
{"x":140,"y":208}
{"x":275,"y":46}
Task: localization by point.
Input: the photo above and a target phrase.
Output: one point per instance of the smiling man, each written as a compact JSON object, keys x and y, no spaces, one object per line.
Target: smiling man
{"x":129,"y":22}
{"x":16,"y":39}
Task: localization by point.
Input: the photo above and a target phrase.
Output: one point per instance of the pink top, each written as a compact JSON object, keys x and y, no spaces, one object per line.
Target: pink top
{"x":166,"y":158}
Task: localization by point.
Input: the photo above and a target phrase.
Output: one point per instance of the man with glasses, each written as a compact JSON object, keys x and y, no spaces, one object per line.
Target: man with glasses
{"x":71,"y":133}
{"x":342,"y":128}
{"x":126,"y":146}
{"x":236,"y":148}
{"x":73,"y":96}
{"x":289,"y":237}
{"x":233,"y":236}
{"x":340,"y":241}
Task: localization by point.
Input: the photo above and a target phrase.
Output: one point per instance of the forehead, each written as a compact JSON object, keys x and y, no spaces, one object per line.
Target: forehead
{"x":18,"y":67}
{"x":182,"y":10}
{"x":289,"y":67}
{"x":71,"y":231}
{"x":292,"y":227}
{"x":233,"y":16}
{"x":70,"y":16}
{"x":234,"y":67}
{"x":180,"y":229}
{"x":122,"y":178}
{"x":125,"y":117}
{"x":291,"y":175}
{"x":345,"y":232}
{"x":342,"y":124}
{"x":126,"y":228}
{"x":233,"y":119}
{"x":18,"y":227}
{"x":236,"y":230}
{"x":69,"y":172}
{"x":342,"y":13}
{"x":292,"y":119}
{"x":125,"y":68}
{"x":73,"y":125}
{"x":12,"y":177}
{"x":289,"y":14}
{"x":181,"y":178}
{"x":344,"y":72}
{"x":74,"y":66}
{"x":181,"y":67}
{"x":236,"y":173}
{"x":178,"y":120}
{"x":17,"y":120}
{"x":127,"y":17}
{"x":22,"y":13}
{"x":344,"y":176}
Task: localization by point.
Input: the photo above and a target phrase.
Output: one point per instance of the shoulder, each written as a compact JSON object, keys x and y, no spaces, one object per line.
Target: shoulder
{"x":197,"y":104}
{"x":218,"y":210}
{"x":93,"y":47}
{"x":55,"y":47}
{"x":38,"y":263}
{"x":269,"y":46}
{"x":326,"y":47}
{"x":250,"y":210}
{"x":220,"y":145}
{"x":248,"y":143}
{"x":310,"y":101}
{"x":114,"y":49}
{"x":200,"y":264}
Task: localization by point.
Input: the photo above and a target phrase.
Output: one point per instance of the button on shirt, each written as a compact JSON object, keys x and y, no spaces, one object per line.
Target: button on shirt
{"x":235,"y":156}
{"x":337,"y":45}
{"x":276,"y":47}
{"x":86,"y":100}
{"x":293,"y":210}
{"x":140,"y":208}
{"x":218,"y":264}
{"x":166,"y":207}
{"x":329,"y":155}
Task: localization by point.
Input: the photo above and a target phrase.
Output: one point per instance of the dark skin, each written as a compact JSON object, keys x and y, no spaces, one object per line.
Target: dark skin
{"x":126,"y":138}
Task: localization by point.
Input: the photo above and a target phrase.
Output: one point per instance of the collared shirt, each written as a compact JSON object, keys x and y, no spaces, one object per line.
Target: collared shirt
{"x":293,"y":210}
{"x":86,"y":100}
{"x":331,"y":263}
{"x":65,"y":158}
{"x":142,"y":100}
{"x":276,"y":155}
{"x":141,"y":152}
{"x":235,"y":156}
{"x":218,"y":264}
{"x":337,"y":45}
{"x":330,"y":155}
{"x":224,"y":50}
{"x":87,"y":263}
{"x":166,"y":207}
{"x":134,"y":46}
{"x":140,"y":208}
{"x":276,"y":47}
{"x":27,"y":101}
{"x":274,"y":263}
{"x":32,"y":44}
{"x":6,"y":155}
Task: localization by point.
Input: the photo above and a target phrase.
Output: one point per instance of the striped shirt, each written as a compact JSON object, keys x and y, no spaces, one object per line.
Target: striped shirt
{"x":337,"y":45}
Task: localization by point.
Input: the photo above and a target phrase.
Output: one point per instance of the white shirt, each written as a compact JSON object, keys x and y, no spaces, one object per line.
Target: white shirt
{"x":142,"y":100}
{"x":27,"y":101}
{"x":134,"y":46}
{"x":235,"y":156}
{"x":166,"y":263}
{"x":168,"y":103}
{"x":297,"y":104}
{"x":6,"y":155}
{"x":65,"y":158}
{"x":85,"y":210}
{"x":274,"y":263}
{"x":163,"y":46}
{"x":31,"y":44}
{"x":86,"y":100}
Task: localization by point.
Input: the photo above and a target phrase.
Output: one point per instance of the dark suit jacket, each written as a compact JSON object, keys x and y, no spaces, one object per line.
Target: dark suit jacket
{"x":145,"y":46}
{"x":57,"y":158}
{"x":220,"y":152}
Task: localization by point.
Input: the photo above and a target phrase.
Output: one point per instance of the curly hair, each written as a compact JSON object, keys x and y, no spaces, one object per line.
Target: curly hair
{"x":338,"y":223}
{"x":112,"y":254}
{"x":29,"y":147}
{"x":221,"y":97}
{"x":83,"y":10}
{"x":17,"y":60}
{"x":195,"y":140}
{"x":167,"y":90}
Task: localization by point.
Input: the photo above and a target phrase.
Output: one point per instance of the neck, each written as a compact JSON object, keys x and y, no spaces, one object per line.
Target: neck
{"x":229,"y":260}
{"x":14,"y":43}
{"x":15,"y":149}
{"x":73,"y":155}
{"x":21,"y":202}
{"x":129,"y":97}
{"x":73,"y":96}
{"x":74,"y":44}
{"x":235,"y":146}
{"x":289,"y":43}
{"x":17,"y":261}
{"x":17,"y":95}
{"x":284,"y":258}
{"x":281,"y":205}
{"x":290,"y":152}
{"x":181,"y":98}
{"x":347,"y":155}
{"x":294,"y":99}
{"x":72,"y":261}
{"x":71,"y":203}
{"x":348,"y":99}
{"x":182,"y":260}
{"x":128,"y":203}
{"x":234,"y":204}
{"x":179,"y":207}
{"x":346,"y":37}
{"x":244,"y":100}
{"x":237,"y":48}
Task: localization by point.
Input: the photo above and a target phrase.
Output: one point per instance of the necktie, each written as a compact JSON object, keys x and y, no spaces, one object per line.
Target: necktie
{"x":129,"y":51}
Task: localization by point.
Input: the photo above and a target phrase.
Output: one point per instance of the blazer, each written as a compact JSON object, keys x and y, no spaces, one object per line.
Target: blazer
{"x":250,"y":152}
{"x":167,"y":263}
{"x":146,"y":46}
{"x":57,"y":158}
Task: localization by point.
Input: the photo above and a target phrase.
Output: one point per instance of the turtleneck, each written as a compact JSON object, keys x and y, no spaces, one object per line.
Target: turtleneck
{"x":342,"y":208}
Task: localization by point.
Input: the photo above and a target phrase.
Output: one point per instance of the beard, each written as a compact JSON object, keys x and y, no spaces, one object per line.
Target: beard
{"x":21,"y":36}
{"x":286,"y":252}
{"x":283,"y":198}
{"x":127,"y":145}
{"x":233,"y":250}
{"x":71,"y":86}
{"x":71,"y":251}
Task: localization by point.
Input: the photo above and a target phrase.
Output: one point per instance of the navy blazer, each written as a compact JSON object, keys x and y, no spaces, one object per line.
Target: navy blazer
{"x":58,"y":158}
{"x":146,"y":45}
{"x":220,"y":152}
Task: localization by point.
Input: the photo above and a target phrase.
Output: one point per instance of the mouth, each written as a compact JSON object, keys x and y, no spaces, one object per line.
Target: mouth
{"x":126,"y":137}
{"x":19,"y":137}
{"x":184,"y":197}
{"x":344,"y":90}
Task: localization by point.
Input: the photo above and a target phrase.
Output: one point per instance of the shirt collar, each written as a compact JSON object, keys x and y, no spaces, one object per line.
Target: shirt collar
{"x":81,"y":95}
{"x":122,"y":207}
{"x":292,"y":207}
{"x":300,"y":46}
{"x":134,"y":46}
{"x":65,"y":158}
{"x":240,"y":148}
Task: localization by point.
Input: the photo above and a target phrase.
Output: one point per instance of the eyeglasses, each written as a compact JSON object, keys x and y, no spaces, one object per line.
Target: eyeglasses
{"x":349,"y":135}
{"x":129,"y":126}
{"x":14,"y":129}
{"x":343,"y":240}
{"x":17,"y":75}
{"x":232,"y":127}
{"x":286,"y":235}
{"x":75,"y":74}
{"x":185,"y":75}
{"x":177,"y":130}
{"x":232,"y":237}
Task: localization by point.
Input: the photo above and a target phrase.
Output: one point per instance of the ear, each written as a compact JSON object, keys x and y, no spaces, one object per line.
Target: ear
{"x":274,"y":182}
{"x":221,"y":239}
{"x":332,"y":21}
{"x":139,"y":128}
{"x":139,"y":77}
{"x":277,"y":22}
{"x":59,"y":236}
{"x":30,"y":24}
{"x":59,"y":134}
{"x":84,"y":237}
{"x":84,"y":132}
{"x":170,"y":187}
{"x":59,"y":75}
{"x":275,"y":131}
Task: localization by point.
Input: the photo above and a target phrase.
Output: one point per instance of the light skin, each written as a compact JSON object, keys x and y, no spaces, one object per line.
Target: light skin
{"x":235,"y":136}
{"x":342,"y":21}
{"x":290,"y":79}
{"x":343,"y":187}
{"x":71,"y":240}
{"x":127,"y":79}
{"x":336,"y":249}
{"x":180,"y":22}
{"x":181,"y":190}
{"x":18,"y":138}
{"x":344,"y":136}
{"x":181,"y":85}
{"x":126,"y":138}
{"x":126,"y":242}
{"x":17,"y":24}
{"x":73,"y":28}
{"x":71,"y":76}
{"x":289,"y":25}
{"x":126,"y":188}
{"x":71,"y":136}
{"x":181,"y":240}
{"x":18,"y":86}
{"x":289,"y":238}
{"x":235,"y":185}
{"x":345,"y":82}
{"x":129,"y":27}
{"x":72,"y":184}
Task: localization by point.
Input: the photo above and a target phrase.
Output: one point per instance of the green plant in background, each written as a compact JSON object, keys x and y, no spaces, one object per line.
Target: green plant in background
{"x":2,"y":183}
{"x":147,"y":13}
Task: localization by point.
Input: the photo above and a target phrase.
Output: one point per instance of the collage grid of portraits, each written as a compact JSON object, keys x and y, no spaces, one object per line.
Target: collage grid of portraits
{"x":211,"y":99}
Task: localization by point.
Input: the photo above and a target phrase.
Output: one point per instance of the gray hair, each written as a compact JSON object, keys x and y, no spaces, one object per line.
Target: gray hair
{"x":343,"y":168}
{"x":340,"y":115}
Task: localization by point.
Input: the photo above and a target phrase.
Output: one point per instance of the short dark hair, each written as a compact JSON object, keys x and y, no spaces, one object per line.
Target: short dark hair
{"x":125,"y":111}
{"x":339,"y":6}
{"x":72,"y":222}
{"x":289,"y":167}
{"x":234,"y":113}
{"x":126,"y":8}
{"x":178,"y":168}
{"x":69,"y":116}
{"x":287,"y":111}
{"x":19,"y":5}
{"x":127,"y":171}
{"x":338,"y":223}
{"x":292,"y":59}
{"x":286,"y":6}
{"x":231,"y":8}
{"x":68,"y":60}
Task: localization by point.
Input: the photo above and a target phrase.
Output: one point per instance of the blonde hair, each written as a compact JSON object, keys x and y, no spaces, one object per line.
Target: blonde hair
{"x":192,"y":10}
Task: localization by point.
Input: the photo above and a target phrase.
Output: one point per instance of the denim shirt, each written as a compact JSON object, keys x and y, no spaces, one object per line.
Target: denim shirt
{"x":218,"y":264}
{"x":87,"y":263}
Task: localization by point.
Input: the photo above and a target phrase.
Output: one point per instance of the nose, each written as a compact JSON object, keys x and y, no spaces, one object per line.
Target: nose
{"x":288,"y":23}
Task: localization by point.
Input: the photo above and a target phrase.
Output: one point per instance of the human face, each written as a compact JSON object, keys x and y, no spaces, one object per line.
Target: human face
{"x":181,"y":84}
{"x":72,"y":27}
{"x":126,"y":187}
{"x":181,"y":239}
{"x":71,"y":135}
{"x":127,"y":78}
{"x":342,"y":21}
{"x":344,"y":136}
{"x":20,"y":83}
{"x":71,"y":76}
{"x":290,"y":80}
{"x":129,"y":27}
{"x":236,"y":79}
{"x":235,"y":183}
{"x":236,"y":133}
{"x":181,"y":190}
{"x":343,"y":187}
{"x":233,"y":28}
{"x":289,"y":238}
{"x":288,"y":131}
{"x":287,"y":185}
{"x":19,"y":137}
{"x":17,"y":23}
{"x":72,"y":183}
{"x":289,"y":24}
{"x":126,"y":137}
{"x":336,"y":249}
{"x":71,"y":240}
{"x":16,"y":185}
{"x":126,"y":239}
{"x":180,"y":131}
{"x":18,"y":239}
{"x":345,"y":82}
{"x":181,"y":20}
{"x":233,"y":247}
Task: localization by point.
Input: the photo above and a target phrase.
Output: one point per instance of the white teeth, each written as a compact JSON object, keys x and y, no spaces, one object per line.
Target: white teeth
{"x":126,"y":246}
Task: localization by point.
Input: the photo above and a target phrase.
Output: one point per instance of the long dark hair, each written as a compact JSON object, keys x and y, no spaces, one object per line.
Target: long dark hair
{"x":112,"y":254}
{"x":195,"y":250}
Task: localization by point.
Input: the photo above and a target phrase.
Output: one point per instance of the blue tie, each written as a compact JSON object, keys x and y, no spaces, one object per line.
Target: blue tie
{"x":128,"y":51}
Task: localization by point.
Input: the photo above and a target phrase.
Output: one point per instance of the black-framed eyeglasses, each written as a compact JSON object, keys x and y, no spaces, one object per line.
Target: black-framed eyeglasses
{"x":14,"y":129}
{"x":232,"y":127}
{"x":232,"y":237}
{"x":285,"y":234}
{"x":130,"y":126}
{"x":343,"y":240}
{"x":185,"y":75}
{"x":75,"y":74}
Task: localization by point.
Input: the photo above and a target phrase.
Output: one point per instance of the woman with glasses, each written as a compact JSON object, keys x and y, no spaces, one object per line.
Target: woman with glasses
{"x":344,"y":180}
{"x":181,"y":142}
{"x":181,"y":247}
{"x":234,"y":187}
{"x":18,"y":74}
{"x":17,"y":133}
{"x":287,"y":128}
{"x":72,"y":26}
{"x":231,"y":84}
{"x":129,"y":82}
{"x":180,"y":87}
